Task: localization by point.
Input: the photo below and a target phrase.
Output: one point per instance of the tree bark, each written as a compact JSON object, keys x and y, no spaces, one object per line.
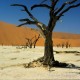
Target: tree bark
{"x":48,"y":52}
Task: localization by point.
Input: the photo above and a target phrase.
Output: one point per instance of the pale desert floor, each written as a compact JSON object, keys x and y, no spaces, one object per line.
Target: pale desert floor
{"x":12,"y":60}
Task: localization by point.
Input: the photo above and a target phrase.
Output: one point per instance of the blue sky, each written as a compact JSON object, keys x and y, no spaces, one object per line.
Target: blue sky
{"x":70,"y":21}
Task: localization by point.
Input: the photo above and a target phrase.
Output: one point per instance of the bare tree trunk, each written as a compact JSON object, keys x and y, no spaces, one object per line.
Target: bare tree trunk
{"x":48,"y":52}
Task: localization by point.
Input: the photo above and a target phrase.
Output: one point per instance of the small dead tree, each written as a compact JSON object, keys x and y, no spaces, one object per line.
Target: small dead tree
{"x":55,"y":13}
{"x":63,"y":45}
{"x":58,"y":45}
{"x":67,"y":44}
{"x":35,"y":41}
{"x":29,"y":42}
{"x":26,"y":45}
{"x":2,"y":44}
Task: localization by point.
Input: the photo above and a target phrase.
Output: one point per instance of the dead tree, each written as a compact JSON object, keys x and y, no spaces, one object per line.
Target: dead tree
{"x":26,"y":45}
{"x":29,"y":42}
{"x":63,"y":45}
{"x":2,"y":44}
{"x":55,"y":14}
{"x":35,"y":41}
{"x":58,"y":45}
{"x":67,"y":45}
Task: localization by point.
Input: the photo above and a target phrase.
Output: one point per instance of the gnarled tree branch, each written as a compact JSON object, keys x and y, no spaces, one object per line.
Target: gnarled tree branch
{"x":28,"y":21}
{"x":67,"y":9}
{"x":56,"y":2}
{"x":63,"y":5}
{"x":40,"y":5}
{"x":73,"y":1}
{"x":22,"y":24}
{"x":26,"y":9}
{"x":40,"y":25}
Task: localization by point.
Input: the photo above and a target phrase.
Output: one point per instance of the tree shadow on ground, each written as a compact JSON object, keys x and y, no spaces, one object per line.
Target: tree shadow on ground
{"x":57,"y":64}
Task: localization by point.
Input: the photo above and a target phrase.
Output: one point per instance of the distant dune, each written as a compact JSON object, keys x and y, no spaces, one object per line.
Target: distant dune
{"x":12,"y":35}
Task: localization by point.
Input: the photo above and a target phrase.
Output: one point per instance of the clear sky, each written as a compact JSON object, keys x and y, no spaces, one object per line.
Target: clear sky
{"x":70,"y":21}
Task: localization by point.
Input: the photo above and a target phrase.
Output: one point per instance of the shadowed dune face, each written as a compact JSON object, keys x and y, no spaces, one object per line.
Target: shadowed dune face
{"x":12,"y":35}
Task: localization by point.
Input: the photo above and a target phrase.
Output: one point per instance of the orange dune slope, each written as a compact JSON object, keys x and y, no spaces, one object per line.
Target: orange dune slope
{"x":12,"y":35}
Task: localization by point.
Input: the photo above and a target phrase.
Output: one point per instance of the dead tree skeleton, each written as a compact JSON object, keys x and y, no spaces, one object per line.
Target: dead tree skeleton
{"x":31,"y":42}
{"x":55,"y":14}
{"x":35,"y":41}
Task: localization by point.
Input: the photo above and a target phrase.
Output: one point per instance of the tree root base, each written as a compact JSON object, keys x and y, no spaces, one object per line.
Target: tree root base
{"x":39,"y":63}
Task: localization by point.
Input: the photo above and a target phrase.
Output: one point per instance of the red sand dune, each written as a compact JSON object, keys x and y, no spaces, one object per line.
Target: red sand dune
{"x":12,"y":35}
